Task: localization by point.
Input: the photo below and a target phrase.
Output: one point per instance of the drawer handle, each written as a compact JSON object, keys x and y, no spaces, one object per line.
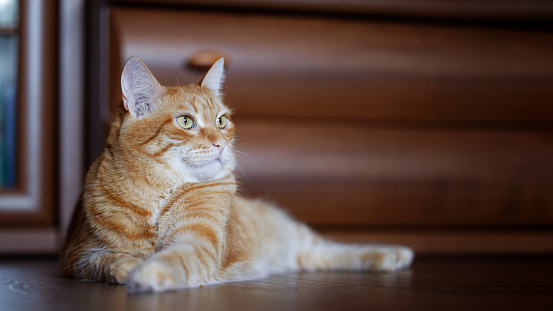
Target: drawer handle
{"x":204,"y":60}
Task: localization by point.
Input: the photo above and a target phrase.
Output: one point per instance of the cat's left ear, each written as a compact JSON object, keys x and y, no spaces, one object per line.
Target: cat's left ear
{"x":140,"y":88}
{"x":214,"y":78}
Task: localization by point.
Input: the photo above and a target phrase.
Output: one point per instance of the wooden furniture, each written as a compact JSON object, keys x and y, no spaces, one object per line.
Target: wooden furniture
{"x":407,"y":129}
{"x":27,"y":211}
{"x":35,"y":213}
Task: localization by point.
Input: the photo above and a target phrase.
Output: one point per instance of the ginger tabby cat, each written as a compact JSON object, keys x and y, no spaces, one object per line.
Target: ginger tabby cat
{"x":159,"y":209}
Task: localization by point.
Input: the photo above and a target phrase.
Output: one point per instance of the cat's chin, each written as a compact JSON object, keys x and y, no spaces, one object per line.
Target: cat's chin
{"x":211,"y":171}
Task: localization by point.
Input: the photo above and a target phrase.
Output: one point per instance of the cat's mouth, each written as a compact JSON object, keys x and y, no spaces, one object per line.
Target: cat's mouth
{"x":204,"y":164}
{"x":207,"y":170}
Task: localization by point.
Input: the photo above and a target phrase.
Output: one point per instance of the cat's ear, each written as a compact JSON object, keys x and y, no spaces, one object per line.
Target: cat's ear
{"x":214,"y":78}
{"x":140,"y":88}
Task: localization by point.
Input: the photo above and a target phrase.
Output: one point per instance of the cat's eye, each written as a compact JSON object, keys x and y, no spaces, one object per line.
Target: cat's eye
{"x":222,"y":122}
{"x":186,"y":122}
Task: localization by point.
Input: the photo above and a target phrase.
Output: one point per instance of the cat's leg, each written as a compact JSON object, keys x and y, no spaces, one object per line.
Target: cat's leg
{"x":336,"y":256}
{"x":119,"y":268}
{"x":102,"y":265}
{"x":316,"y":253}
{"x":192,"y":235}
{"x":182,"y":265}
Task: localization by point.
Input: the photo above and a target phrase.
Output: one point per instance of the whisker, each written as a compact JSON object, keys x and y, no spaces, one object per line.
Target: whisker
{"x":232,"y":96}
{"x":193,"y":73}
{"x":244,"y":154}
{"x":175,"y":73}
{"x":245,"y":174}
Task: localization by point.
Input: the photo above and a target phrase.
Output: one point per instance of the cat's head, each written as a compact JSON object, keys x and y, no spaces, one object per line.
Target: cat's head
{"x":185,"y":131}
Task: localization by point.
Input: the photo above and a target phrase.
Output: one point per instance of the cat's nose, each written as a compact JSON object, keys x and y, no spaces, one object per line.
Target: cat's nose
{"x":220,"y":145}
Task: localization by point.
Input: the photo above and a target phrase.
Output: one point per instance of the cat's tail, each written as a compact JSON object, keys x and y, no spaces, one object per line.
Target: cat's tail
{"x":317,"y":253}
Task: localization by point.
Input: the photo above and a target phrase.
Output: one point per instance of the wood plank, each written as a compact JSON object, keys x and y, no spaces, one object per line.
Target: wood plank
{"x":361,"y":174}
{"x":458,"y":9}
{"x":71,"y":109}
{"x":362,"y":203}
{"x":29,"y":241}
{"x":321,"y":67}
{"x":452,"y":241}
{"x":450,"y":284}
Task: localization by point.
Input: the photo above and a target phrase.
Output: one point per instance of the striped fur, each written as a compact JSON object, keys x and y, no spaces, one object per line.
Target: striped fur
{"x":159,"y":209}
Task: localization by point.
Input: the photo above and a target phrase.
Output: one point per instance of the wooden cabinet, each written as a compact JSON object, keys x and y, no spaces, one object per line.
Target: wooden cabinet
{"x":437,"y":135}
{"x":27,"y":209}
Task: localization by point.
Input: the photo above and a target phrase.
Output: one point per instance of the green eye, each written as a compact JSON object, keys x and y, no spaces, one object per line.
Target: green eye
{"x":186,"y":122}
{"x":222,"y":122}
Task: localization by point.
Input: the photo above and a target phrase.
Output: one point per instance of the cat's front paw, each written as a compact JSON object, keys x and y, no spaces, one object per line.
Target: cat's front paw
{"x":151,"y":276}
{"x":119,"y":270}
{"x":394,"y":258}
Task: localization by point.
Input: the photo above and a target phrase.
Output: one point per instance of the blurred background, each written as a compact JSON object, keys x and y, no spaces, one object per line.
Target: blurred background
{"x":426,"y":123}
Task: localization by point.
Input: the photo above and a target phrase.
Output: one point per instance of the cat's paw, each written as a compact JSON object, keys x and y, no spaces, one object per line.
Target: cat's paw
{"x":393,"y":258}
{"x":151,"y":276}
{"x":119,"y":270}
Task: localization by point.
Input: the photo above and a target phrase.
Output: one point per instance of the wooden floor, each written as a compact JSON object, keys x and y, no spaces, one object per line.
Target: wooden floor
{"x":445,"y":284}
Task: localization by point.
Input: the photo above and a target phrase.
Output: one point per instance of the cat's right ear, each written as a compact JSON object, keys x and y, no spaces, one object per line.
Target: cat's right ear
{"x":140,"y":88}
{"x":215,"y":76}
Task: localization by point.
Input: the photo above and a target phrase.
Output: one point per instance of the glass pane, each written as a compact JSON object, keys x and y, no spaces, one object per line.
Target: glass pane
{"x":9,"y":16}
{"x":9,"y":44}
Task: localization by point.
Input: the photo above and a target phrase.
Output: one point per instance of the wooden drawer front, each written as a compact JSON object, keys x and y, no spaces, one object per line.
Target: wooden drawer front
{"x":310,"y":97}
{"x":393,"y":176}
{"x":331,"y":67}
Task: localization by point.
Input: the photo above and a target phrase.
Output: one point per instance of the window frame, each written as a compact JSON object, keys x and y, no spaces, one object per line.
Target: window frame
{"x":27,"y":212}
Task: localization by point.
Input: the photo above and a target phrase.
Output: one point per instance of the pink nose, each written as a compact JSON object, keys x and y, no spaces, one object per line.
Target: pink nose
{"x":220,"y":145}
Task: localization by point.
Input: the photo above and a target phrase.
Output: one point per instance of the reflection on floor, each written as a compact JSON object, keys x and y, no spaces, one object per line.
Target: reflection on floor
{"x":445,"y":284}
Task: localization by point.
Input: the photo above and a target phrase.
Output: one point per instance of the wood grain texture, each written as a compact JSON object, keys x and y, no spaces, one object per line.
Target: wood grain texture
{"x":362,"y":174}
{"x":451,"y":241}
{"x":320,"y":67}
{"x":29,"y":241}
{"x":32,"y":200}
{"x":450,"y":284}
{"x":361,"y":123}
{"x":459,"y":9}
